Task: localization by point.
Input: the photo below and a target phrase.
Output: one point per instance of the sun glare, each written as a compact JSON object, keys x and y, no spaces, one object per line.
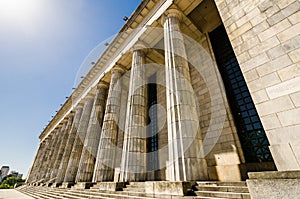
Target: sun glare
{"x":20,"y":10}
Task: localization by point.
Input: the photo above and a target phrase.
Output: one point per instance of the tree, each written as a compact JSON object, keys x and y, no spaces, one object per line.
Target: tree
{"x":5,"y":186}
{"x":9,"y":182}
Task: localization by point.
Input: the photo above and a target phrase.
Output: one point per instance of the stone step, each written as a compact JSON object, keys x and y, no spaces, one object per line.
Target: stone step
{"x":73,"y":195}
{"x":43,"y":192}
{"x":51,"y":195}
{"x":86,"y":195}
{"x":204,"y":197}
{"x":223,"y":194}
{"x":88,"y":192}
{"x":218,"y":183}
{"x":116,"y":194}
{"x":30,"y":194}
{"x":134,"y":189}
{"x":134,"y":193}
{"x":237,"y":189}
{"x":40,"y":195}
{"x":137,"y":183}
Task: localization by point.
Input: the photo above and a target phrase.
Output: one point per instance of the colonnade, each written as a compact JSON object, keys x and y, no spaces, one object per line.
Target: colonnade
{"x":83,"y":147}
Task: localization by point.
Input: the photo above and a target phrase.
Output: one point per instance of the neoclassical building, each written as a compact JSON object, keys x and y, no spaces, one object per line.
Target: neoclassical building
{"x":202,"y":90}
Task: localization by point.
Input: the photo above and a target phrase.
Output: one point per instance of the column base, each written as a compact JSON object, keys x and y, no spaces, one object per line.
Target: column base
{"x":274,"y":184}
{"x":109,"y":186}
{"x":49,"y":184}
{"x":56,"y":184}
{"x":83,"y":185}
{"x":66,"y":185}
{"x":161,"y":188}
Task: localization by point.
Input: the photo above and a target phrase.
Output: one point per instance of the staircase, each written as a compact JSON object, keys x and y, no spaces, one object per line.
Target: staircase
{"x":136,"y":190}
{"x":222,"y":190}
{"x":93,"y":193}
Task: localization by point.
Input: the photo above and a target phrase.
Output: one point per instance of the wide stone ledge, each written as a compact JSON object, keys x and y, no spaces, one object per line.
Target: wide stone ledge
{"x":274,"y":184}
{"x":109,"y":186}
{"x":167,"y":188}
{"x":275,"y":175}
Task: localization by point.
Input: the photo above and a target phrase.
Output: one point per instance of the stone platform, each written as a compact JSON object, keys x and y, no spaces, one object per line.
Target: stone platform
{"x":274,"y":184}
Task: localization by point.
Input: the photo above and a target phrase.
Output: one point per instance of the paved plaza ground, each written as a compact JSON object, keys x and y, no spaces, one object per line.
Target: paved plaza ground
{"x":12,"y":194}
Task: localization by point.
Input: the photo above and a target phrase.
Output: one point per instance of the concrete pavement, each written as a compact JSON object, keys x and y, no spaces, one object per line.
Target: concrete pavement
{"x":12,"y":194}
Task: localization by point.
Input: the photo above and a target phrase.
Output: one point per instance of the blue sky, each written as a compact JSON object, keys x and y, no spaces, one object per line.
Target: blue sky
{"x":42,"y":45}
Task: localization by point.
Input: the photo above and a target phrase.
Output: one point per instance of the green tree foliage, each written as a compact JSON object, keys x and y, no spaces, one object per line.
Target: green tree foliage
{"x":9,"y":182}
{"x":5,"y":186}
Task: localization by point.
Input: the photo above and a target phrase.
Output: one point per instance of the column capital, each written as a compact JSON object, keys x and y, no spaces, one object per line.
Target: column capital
{"x":79,"y":105}
{"x":59,"y":126}
{"x":118,"y":68}
{"x":65,"y":120}
{"x":173,"y":12}
{"x":141,"y":46}
{"x":71,"y":114}
{"x":90,"y":95}
{"x":102,"y":84}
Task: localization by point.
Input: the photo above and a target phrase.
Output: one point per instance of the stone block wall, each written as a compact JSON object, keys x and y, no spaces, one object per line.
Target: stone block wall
{"x":265,"y":38}
{"x":222,"y":148}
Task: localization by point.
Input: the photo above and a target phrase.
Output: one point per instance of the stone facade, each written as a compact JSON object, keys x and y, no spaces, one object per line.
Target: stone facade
{"x":191,"y":125}
{"x":265,"y":38}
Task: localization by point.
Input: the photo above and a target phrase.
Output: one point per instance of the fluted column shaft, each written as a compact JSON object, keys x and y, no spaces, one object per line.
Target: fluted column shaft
{"x":133,"y":164}
{"x":36,"y":162}
{"x":186,"y":161}
{"x":61,"y":147}
{"x":89,"y":151}
{"x":46,"y":160}
{"x":42,"y":159}
{"x":68,"y":147}
{"x":105,"y":161}
{"x":54,"y":153}
{"x":79,"y":140}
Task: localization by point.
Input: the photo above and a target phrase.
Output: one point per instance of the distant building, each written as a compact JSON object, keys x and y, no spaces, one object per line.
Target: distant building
{"x":4,"y":171}
{"x":16,"y":174}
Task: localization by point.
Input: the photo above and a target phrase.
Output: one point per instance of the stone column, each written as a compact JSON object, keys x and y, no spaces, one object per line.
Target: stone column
{"x":46,"y":160}
{"x":186,"y":161}
{"x":133,"y":164}
{"x":105,"y":161}
{"x":36,"y":162}
{"x":68,"y":147}
{"x":54,"y":153}
{"x":37,"y":173}
{"x":79,"y":139}
{"x":61,"y":147}
{"x":89,"y":152}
